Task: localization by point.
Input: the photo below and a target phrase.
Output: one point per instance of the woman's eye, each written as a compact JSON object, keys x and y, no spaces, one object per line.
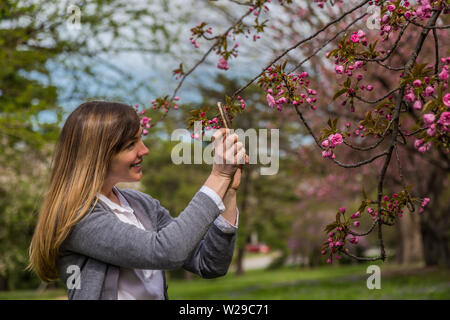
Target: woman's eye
{"x":131,"y":145}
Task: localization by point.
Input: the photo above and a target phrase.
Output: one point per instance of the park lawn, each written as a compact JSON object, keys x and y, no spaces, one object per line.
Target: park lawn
{"x":293,"y":283}
{"x":328,"y":282}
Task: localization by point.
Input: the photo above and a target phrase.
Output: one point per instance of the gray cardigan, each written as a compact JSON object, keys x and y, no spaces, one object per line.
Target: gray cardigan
{"x":99,"y":244}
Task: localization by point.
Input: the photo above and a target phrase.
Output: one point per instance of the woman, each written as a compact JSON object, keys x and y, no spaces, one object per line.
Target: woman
{"x":110,"y":243}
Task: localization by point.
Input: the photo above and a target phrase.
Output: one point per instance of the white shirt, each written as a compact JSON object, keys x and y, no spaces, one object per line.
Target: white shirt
{"x":138,"y":284}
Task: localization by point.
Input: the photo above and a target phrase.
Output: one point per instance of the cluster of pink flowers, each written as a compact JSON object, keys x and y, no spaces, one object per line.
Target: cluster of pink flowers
{"x":145,"y":121}
{"x":373,"y":213}
{"x":331,"y":142}
{"x":358,"y":131}
{"x":335,"y":245}
{"x":443,"y":75}
{"x":436,"y":121}
{"x":222,"y":64}
{"x":256,"y":12}
{"x":394,"y":205}
{"x":278,"y":95}
{"x":442,"y":125}
{"x":424,"y":203}
{"x":215,"y":123}
{"x":340,"y":69}
{"x":422,"y":147}
{"x":198,"y":32}
{"x":359,"y":36}
{"x":423,"y":10}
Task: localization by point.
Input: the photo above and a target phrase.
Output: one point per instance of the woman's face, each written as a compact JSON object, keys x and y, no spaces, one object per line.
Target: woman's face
{"x":123,"y":168}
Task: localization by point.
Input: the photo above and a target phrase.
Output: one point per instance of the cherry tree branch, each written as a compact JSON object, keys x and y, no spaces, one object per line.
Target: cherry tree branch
{"x":327,"y":42}
{"x":408,"y":66}
{"x":297,"y":45}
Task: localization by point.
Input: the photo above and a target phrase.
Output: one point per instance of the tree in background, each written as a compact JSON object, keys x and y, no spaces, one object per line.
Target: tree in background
{"x":380,"y":116}
{"x":53,"y":53}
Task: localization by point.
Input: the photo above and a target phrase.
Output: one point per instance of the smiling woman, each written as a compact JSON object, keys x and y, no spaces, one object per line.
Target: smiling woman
{"x":126,"y":166}
{"x":110,"y":243}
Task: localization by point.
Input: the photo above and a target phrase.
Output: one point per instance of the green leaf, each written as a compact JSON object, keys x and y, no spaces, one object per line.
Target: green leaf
{"x":335,"y":123}
{"x":339,"y":93}
{"x":428,"y":106}
{"x":330,"y":227}
{"x":338,"y":217}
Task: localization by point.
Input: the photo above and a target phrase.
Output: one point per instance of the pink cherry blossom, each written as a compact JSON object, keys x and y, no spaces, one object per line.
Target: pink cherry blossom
{"x":339,"y":69}
{"x":431,"y":130}
{"x":335,"y":139}
{"x":222,"y":64}
{"x":354,"y":38}
{"x":444,"y":120}
{"x":425,"y":202}
{"x":417,"y":83}
{"x":444,"y":74}
{"x":417,"y":105}
{"x":428,"y":118}
{"x":446,"y":99}
{"x":422,"y":149}
{"x":354,"y":240}
{"x":429,"y":91}
{"x":327,"y":154}
{"x":390,"y":7}
{"x":358,"y":64}
{"x":325,"y":143}
{"x":270,"y":100}
{"x":418,"y":143}
{"x":410,"y":97}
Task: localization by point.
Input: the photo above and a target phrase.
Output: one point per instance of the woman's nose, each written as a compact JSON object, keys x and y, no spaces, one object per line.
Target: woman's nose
{"x":144,"y":150}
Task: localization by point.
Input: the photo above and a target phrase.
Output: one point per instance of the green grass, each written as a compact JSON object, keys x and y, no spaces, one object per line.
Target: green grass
{"x":329,"y":282}
{"x":51,"y":294}
{"x":289,"y":283}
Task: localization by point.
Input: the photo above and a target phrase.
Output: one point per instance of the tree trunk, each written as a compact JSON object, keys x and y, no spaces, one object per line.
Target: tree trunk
{"x":240,"y":262}
{"x":434,"y":222}
{"x":242,"y":210}
{"x":3,"y":284}
{"x":436,"y":250}
{"x":410,"y":246}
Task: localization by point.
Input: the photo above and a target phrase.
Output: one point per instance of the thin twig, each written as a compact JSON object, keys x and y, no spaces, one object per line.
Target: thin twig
{"x":327,"y":42}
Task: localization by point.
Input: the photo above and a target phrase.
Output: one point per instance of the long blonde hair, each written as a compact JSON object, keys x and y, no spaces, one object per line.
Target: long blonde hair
{"x":92,"y":134}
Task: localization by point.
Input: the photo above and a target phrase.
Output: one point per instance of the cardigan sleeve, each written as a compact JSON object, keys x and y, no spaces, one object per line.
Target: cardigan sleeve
{"x":102,"y":236}
{"x":213,"y":255}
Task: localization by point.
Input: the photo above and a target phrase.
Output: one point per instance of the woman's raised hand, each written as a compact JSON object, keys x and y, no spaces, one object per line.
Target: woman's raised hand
{"x":229,"y":155}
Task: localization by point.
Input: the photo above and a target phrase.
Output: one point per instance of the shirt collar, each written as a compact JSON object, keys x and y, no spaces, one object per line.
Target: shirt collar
{"x":123,"y":208}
